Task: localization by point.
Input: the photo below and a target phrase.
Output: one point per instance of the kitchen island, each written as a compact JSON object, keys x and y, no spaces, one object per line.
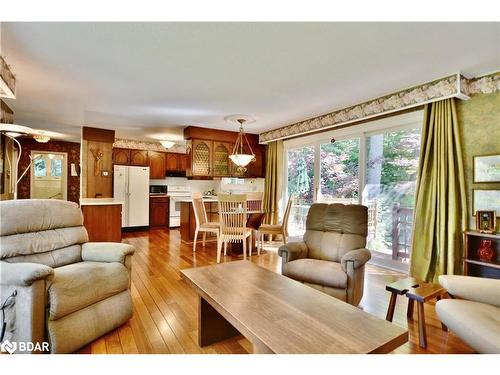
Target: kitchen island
{"x":102,"y":217}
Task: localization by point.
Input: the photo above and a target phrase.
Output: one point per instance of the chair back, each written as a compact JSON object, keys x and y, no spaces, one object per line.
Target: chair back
{"x":233,"y":216}
{"x":200,"y":214}
{"x":335,"y":229}
{"x":255,"y":201}
{"x":288,"y":208}
{"x":45,"y":231}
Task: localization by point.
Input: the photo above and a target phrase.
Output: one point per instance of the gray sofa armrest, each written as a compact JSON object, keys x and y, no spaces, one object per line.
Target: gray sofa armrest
{"x":359,"y":257}
{"x":471,"y":288}
{"x":106,"y":252}
{"x":292,"y":251}
{"x":23,"y":274}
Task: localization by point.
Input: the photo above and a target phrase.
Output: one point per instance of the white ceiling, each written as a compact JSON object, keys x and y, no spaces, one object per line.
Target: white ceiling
{"x":148,"y":80}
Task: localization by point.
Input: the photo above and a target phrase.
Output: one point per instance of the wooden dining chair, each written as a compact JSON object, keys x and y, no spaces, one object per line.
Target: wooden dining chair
{"x":255,"y":202}
{"x":233,"y":219}
{"x":276,"y":229}
{"x":202,"y":223}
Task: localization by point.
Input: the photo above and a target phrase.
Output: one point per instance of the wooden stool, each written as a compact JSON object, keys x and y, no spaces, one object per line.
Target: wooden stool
{"x":415,"y":290}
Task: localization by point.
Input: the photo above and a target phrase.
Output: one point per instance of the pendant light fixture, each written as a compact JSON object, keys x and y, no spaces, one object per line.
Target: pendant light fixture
{"x":241,"y":157}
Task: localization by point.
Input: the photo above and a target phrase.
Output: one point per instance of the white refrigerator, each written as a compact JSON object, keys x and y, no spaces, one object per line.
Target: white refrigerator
{"x":131,"y":185}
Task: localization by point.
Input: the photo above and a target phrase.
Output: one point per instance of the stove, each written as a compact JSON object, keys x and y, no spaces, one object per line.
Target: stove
{"x":177,"y":194}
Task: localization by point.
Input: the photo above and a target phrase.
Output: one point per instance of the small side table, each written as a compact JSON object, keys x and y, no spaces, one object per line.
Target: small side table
{"x":415,"y":290}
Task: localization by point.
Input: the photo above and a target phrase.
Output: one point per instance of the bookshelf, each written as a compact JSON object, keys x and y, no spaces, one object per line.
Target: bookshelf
{"x":473,"y":266}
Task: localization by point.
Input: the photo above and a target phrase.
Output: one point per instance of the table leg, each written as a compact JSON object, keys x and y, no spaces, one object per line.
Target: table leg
{"x":422,"y":335}
{"x":392,"y":305}
{"x":212,"y":327}
{"x":409,"y":312}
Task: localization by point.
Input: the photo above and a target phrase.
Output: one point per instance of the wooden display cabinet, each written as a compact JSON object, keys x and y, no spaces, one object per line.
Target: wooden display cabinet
{"x":473,"y":266}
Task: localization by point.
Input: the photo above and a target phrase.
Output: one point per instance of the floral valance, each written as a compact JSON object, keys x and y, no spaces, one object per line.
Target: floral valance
{"x":454,"y":85}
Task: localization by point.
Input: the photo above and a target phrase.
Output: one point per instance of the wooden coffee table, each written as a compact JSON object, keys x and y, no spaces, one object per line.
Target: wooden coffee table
{"x":280,"y":315}
{"x":414,"y":290}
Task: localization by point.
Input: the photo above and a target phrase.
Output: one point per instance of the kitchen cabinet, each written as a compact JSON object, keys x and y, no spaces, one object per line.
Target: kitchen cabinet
{"x":201,"y":158}
{"x":139,"y":158}
{"x":121,"y":156}
{"x":156,"y":164}
{"x":222,"y":165}
{"x":208,"y":152}
{"x":159,"y":211}
{"x":103,"y":222}
{"x":176,"y":163}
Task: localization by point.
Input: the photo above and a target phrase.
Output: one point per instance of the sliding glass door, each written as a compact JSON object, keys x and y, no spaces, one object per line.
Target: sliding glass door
{"x":300,"y":187}
{"x":374,"y":165}
{"x":389,"y":192}
{"x":339,"y":172}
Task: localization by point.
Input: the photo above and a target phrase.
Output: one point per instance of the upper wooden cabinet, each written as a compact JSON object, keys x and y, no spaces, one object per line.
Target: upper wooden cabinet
{"x":258,"y":167}
{"x":121,"y":156}
{"x":175,"y":163}
{"x":221,"y":162}
{"x":156,"y":164}
{"x":201,"y":158}
{"x":139,"y":158}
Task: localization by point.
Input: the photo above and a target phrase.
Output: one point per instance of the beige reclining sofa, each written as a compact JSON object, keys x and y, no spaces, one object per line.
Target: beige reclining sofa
{"x":60,"y":287}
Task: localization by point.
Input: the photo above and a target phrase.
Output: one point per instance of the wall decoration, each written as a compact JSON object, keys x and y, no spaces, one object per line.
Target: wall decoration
{"x":485,"y":221}
{"x":486,"y":168}
{"x":486,"y":200}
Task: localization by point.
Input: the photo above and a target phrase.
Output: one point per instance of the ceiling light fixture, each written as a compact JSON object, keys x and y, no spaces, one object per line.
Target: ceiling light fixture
{"x":167,"y":144}
{"x":41,"y":138}
{"x":239,"y":157}
{"x":7,"y":81}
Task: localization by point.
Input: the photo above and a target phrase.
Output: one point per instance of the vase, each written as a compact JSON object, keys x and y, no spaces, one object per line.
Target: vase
{"x":485,"y":251}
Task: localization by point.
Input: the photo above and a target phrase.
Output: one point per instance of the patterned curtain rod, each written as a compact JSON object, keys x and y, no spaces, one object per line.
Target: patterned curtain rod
{"x":451,"y":86}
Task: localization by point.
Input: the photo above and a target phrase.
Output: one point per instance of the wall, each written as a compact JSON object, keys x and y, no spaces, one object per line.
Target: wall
{"x":479,"y":120}
{"x":95,"y":183}
{"x":73,"y":151}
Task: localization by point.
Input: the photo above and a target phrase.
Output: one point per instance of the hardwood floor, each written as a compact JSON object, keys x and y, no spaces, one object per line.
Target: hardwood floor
{"x":165,"y":307}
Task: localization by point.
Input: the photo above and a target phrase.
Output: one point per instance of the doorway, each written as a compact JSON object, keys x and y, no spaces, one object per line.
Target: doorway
{"x":49,"y":175}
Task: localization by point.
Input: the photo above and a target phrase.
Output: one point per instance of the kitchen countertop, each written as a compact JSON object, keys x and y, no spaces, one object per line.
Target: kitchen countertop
{"x":205,"y":199}
{"x":99,"y":201}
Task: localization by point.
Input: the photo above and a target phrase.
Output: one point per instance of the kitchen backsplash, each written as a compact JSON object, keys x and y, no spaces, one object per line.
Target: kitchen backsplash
{"x":223,"y":185}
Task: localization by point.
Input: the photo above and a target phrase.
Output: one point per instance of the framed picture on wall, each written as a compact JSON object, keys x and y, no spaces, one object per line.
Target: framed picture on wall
{"x":487,"y":168}
{"x":486,"y":200}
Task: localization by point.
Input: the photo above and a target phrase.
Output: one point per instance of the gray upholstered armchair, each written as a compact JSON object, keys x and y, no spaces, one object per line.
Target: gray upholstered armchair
{"x":332,"y":255}
{"x":58,"y":287}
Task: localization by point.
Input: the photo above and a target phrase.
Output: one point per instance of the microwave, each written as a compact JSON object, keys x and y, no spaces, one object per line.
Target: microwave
{"x":157,"y":189}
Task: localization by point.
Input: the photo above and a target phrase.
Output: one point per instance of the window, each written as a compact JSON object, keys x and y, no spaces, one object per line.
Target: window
{"x":40,"y":166}
{"x":56,"y":167}
{"x":374,"y":164}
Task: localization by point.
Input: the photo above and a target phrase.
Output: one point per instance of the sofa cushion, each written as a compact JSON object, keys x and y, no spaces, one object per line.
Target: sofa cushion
{"x":476,"y":323}
{"x":79,"y":285}
{"x":316,"y":271}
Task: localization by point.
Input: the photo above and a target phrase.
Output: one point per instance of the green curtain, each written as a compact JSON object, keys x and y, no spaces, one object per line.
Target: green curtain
{"x":440,"y":207}
{"x":273,"y":182}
